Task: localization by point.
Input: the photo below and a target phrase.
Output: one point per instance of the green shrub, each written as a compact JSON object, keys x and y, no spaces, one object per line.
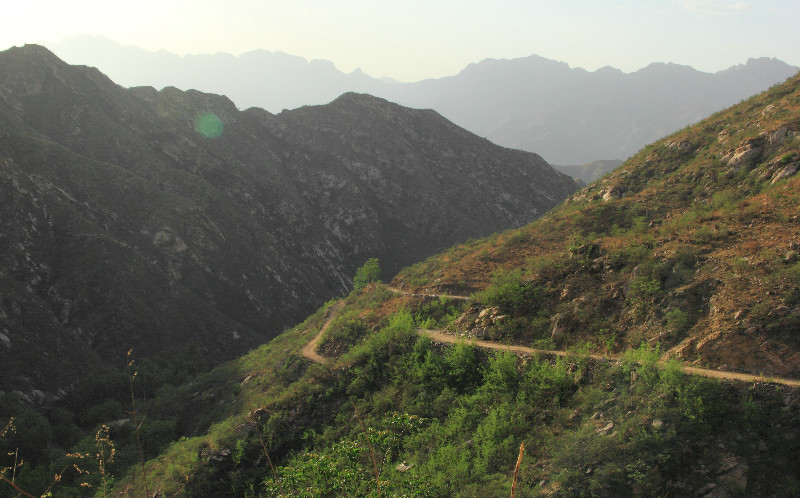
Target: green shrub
{"x":502,"y":373}
{"x":464,"y":369}
{"x":370,"y":272}
{"x":643,"y":291}
{"x":677,"y":320}
{"x":512,"y":293}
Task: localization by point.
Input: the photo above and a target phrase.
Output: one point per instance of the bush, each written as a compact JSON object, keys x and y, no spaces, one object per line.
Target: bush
{"x":677,"y":320}
{"x":643,"y":291}
{"x":509,"y":291}
{"x":370,"y":272}
{"x":464,"y":369}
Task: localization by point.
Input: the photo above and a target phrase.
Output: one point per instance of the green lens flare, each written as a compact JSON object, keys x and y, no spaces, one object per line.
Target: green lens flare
{"x":208,"y":124}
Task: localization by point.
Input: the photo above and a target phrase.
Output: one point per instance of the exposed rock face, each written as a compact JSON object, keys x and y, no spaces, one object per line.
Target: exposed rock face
{"x":169,"y":221}
{"x":745,"y":155}
{"x":749,"y":349}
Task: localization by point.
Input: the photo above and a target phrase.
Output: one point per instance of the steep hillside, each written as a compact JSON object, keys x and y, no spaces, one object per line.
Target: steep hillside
{"x":686,"y":255}
{"x":172,"y":223}
{"x":692,"y":243}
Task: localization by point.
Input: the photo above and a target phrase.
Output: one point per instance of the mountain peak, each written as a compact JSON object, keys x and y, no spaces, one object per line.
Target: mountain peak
{"x":760,"y":64}
{"x":32,"y":51}
{"x":520,"y":64}
{"x":360,"y":98}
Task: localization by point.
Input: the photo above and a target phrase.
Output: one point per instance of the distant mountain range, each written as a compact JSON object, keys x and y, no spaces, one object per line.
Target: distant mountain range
{"x":567,"y":115}
{"x":172,"y":222}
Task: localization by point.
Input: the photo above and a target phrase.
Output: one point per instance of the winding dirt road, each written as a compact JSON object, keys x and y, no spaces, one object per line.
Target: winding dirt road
{"x":438,"y":336}
{"x":310,"y":350}
{"x":413,"y":294}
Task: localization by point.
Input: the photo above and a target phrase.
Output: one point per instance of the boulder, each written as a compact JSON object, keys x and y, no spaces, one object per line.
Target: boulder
{"x":786,"y":172}
{"x":735,"y":479}
{"x":745,"y":154}
{"x":744,"y":157}
{"x":682,"y":145}
{"x":606,"y":428}
{"x":779,"y":136}
{"x":560,"y":326}
{"x":612,"y":193}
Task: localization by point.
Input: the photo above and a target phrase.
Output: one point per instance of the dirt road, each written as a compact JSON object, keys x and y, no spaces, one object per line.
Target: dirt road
{"x":310,"y":350}
{"x":438,"y":336}
{"x":446,"y":296}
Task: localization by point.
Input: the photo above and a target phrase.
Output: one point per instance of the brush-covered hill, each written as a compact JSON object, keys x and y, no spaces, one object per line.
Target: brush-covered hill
{"x":175,"y":224}
{"x":686,"y":255}
{"x":692,"y":243}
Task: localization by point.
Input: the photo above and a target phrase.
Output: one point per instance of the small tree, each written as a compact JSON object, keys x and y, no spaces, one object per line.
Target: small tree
{"x":370,"y":272}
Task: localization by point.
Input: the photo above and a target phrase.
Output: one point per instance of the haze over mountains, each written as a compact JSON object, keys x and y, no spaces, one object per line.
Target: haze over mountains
{"x":567,"y":115}
{"x":127,"y":222}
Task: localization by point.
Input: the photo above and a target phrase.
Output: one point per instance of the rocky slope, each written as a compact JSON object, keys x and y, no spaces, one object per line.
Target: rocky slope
{"x":691,"y":244}
{"x":172,"y":222}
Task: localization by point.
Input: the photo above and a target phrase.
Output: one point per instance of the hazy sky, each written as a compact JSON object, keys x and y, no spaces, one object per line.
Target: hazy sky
{"x":415,"y":39}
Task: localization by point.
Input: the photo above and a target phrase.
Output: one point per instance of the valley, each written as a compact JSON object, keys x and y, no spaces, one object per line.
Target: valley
{"x":126,"y":227}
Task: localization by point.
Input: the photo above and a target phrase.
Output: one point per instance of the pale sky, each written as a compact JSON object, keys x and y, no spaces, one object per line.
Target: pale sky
{"x":411,"y":40}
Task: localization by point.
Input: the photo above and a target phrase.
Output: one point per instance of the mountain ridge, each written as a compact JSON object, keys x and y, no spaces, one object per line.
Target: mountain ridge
{"x":568,"y":115}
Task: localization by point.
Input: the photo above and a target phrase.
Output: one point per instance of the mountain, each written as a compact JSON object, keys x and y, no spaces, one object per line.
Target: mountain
{"x":172,"y":223}
{"x":568,"y":115}
{"x":260,"y":78}
{"x":663,"y":303}
{"x":654,"y":320}
{"x":572,"y":116}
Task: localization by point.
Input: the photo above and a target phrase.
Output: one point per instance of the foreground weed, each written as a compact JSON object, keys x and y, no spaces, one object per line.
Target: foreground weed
{"x":516,"y":470}
{"x":138,"y":424}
